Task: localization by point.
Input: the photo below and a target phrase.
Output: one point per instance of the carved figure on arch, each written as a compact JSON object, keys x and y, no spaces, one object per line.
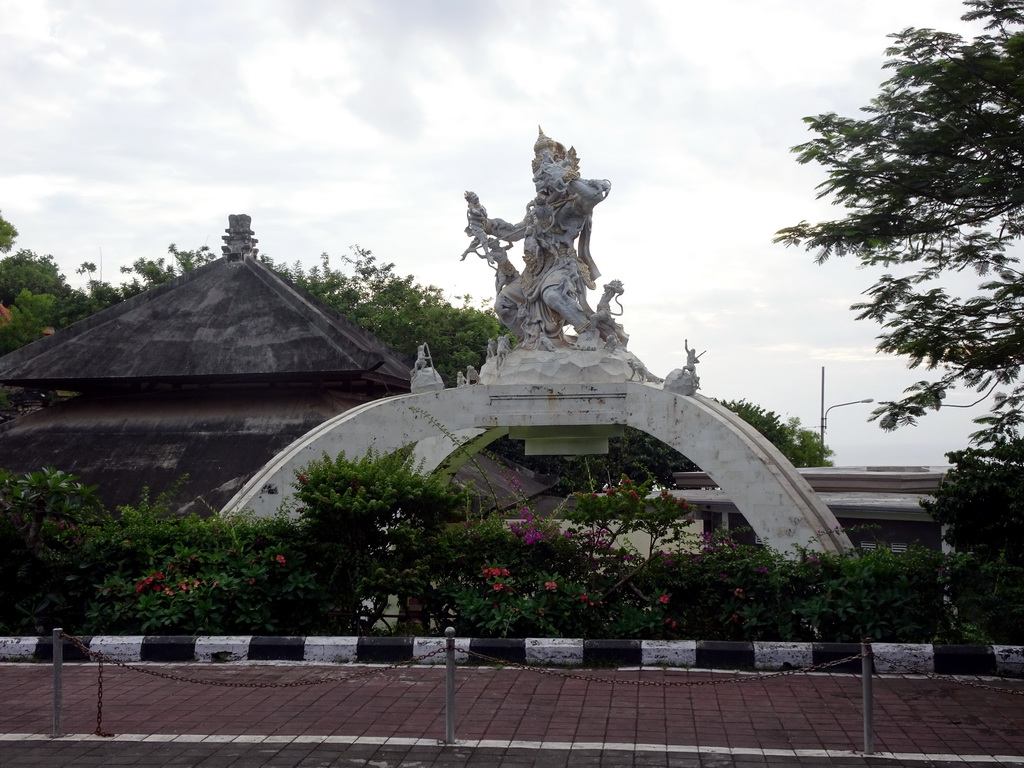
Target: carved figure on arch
{"x":423,"y":377}
{"x":504,"y":348}
{"x":685,"y":381}
{"x":612,"y":333}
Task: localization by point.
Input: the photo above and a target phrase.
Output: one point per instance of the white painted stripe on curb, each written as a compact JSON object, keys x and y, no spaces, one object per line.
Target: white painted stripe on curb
{"x":193,"y":738}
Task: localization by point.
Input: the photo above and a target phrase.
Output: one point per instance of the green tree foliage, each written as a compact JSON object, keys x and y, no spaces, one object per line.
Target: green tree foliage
{"x":803,"y":447}
{"x":28,"y":271}
{"x":399,"y":311}
{"x":981,"y":500}
{"x":7,"y":235}
{"x":30,"y":315}
{"x":369,"y":526}
{"x":149,"y":273}
{"x":932,"y":183}
{"x":42,"y":517}
{"x":34,"y":502}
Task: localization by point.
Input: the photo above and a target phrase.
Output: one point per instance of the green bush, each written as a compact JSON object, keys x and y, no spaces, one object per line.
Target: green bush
{"x":373,"y":533}
{"x":368,"y":527}
{"x":199,"y":576}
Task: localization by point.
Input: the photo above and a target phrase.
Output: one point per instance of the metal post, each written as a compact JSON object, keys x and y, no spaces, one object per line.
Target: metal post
{"x":866,"y":672}
{"x":822,"y":422}
{"x":449,"y":692}
{"x":58,"y":682}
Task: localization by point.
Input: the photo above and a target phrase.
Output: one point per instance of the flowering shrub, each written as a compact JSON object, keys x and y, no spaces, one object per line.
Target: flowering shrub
{"x":619,"y":564}
{"x":216,"y":576}
{"x":597,"y":586}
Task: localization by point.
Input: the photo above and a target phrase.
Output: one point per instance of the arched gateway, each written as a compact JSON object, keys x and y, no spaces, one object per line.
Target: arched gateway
{"x":449,"y":425}
{"x":566,"y":383}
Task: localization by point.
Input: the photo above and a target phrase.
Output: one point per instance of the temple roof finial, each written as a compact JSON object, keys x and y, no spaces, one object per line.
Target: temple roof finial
{"x":239,"y":241}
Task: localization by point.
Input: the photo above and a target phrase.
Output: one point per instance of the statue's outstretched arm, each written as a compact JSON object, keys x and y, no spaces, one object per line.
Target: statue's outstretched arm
{"x":589,"y":192}
{"x":507,"y":231}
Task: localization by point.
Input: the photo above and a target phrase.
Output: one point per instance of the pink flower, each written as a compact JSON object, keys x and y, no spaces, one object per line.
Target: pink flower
{"x":550,"y":586}
{"x":663,"y":599}
{"x":498,"y":587}
{"x":281,"y":560}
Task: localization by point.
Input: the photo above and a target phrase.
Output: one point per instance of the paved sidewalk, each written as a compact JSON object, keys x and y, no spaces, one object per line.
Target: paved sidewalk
{"x":505,"y":717}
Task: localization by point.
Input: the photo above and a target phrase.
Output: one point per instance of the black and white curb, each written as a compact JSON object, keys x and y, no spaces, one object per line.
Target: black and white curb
{"x":889,"y":657}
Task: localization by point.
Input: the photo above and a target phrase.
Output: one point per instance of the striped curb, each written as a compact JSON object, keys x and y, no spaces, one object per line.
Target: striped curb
{"x":713,"y":654}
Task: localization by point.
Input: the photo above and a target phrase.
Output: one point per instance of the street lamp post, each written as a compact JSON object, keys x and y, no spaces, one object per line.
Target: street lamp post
{"x":824,"y":410}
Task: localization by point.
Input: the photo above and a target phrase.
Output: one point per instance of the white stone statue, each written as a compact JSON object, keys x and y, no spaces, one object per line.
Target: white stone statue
{"x":560,"y":338}
{"x":612,"y":333}
{"x":476,"y":220}
{"x":551,"y":292}
{"x":423,"y":376}
{"x":504,"y":349}
{"x":685,"y":381}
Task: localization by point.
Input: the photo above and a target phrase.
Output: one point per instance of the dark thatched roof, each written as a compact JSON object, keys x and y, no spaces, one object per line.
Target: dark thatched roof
{"x":231,"y":321}
{"x":210,"y":375}
{"x":125,"y":442}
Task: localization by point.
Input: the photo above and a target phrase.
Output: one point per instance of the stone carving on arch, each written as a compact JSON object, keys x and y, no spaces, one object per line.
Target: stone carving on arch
{"x":448,"y":426}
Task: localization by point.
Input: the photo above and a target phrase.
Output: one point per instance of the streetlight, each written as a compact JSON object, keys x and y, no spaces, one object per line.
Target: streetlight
{"x":824,"y":414}
{"x":824,"y":410}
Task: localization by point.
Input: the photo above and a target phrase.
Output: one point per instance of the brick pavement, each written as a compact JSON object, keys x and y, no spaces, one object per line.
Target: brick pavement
{"x":504,"y":717}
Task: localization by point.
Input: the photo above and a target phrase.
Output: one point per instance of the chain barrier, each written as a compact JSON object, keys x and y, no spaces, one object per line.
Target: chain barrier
{"x":949,"y":678}
{"x":665,"y":684}
{"x":101,"y":658}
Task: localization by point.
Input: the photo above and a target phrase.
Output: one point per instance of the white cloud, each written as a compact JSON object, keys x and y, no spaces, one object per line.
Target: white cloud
{"x":133,"y":125}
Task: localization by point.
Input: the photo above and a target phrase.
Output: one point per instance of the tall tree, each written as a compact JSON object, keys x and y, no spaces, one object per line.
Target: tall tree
{"x":7,"y":235}
{"x":400,"y":311}
{"x":933,"y":185}
{"x":149,"y":273}
{"x":980,"y":502}
{"x":28,"y":271}
{"x":27,"y":320}
{"x":802,"y":446}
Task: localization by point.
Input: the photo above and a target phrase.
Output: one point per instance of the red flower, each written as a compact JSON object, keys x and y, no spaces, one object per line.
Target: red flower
{"x":281,"y":560}
{"x":498,"y":587}
{"x":663,"y":599}
{"x":550,"y":586}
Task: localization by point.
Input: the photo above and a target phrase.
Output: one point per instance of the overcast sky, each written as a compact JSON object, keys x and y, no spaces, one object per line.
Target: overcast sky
{"x":131,"y":125}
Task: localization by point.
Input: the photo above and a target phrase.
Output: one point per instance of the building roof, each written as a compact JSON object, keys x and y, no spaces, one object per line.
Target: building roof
{"x":232,"y":321}
{"x":204,"y":444}
{"x":872,"y":480}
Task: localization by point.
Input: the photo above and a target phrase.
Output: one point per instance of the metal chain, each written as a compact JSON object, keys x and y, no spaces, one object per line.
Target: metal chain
{"x":951,"y":679}
{"x":99,"y":700}
{"x":670,"y":684}
{"x":100,"y":658}
{"x":229,"y":684}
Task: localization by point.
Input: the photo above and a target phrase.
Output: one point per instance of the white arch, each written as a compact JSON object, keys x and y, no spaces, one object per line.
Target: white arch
{"x":777,"y":502}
